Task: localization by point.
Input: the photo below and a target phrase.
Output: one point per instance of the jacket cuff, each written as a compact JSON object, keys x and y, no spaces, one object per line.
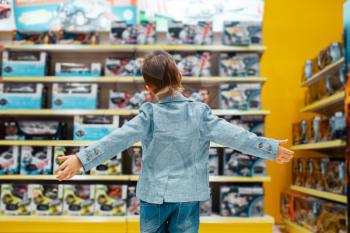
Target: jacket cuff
{"x":83,"y":157}
{"x":268,"y":146}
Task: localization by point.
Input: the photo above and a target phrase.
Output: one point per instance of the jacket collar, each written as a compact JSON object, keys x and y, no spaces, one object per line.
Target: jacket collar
{"x":173,"y":98}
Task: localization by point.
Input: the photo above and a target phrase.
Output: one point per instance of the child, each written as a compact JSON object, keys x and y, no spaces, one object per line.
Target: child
{"x":175,"y":135}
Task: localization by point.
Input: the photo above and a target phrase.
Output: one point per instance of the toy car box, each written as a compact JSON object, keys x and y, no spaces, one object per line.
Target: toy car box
{"x":25,"y":38}
{"x":9,"y":160}
{"x":91,"y":128}
{"x":241,"y":201}
{"x":133,"y":203}
{"x":21,"y":96}
{"x":242,"y":33}
{"x":197,"y":64}
{"x":36,"y":160}
{"x":206,"y":207}
{"x":60,"y":151}
{"x":214,"y":161}
{"x":110,"y":200}
{"x":128,"y":100}
{"x":79,"y":199}
{"x":16,"y":199}
{"x":123,"y":33}
{"x":109,"y":167}
{"x":119,"y":67}
{"x":146,"y":33}
{"x":24,"y":64}
{"x":78,"y":69}
{"x":47,"y":199}
{"x":74,"y":96}
{"x":239,"y":164}
{"x":239,"y":65}
{"x":240,"y":96}
{"x":136,"y":156}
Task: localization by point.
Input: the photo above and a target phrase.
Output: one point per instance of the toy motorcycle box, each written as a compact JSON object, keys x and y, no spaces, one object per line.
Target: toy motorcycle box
{"x":242,"y":33}
{"x":123,"y":33}
{"x":16,"y":199}
{"x":78,"y":69}
{"x":119,"y":67}
{"x":47,"y":199}
{"x":147,"y":33}
{"x":79,"y":38}
{"x":214,"y":161}
{"x":35,"y":130}
{"x":239,"y":164}
{"x":109,"y":167}
{"x":128,"y":100}
{"x":74,"y":96}
{"x":136,"y":156}
{"x":21,"y":96}
{"x":91,"y":128}
{"x":9,"y":160}
{"x":36,"y":160}
{"x":180,"y":33}
{"x":240,"y":96}
{"x":25,"y":38}
{"x":133,"y":203}
{"x":79,"y":199}
{"x":110,"y":200}
{"x":239,"y":65}
{"x":241,"y":201}
{"x":206,"y":207}
{"x":197,"y":65}
{"x":24,"y":64}
{"x":60,"y":151}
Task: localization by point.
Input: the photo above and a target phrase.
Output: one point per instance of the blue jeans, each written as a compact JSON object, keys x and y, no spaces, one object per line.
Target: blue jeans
{"x":182,"y":217}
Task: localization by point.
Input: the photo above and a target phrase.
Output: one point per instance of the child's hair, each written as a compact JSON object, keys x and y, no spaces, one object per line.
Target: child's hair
{"x":160,"y":71}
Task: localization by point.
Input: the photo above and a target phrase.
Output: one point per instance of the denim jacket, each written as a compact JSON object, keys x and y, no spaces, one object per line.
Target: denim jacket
{"x":175,"y":134}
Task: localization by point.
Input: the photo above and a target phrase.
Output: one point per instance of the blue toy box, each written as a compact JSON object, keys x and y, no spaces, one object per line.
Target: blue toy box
{"x":9,"y":160}
{"x":78,"y":70}
{"x":21,"y":96}
{"x":74,"y":96}
{"x":240,"y":96}
{"x":24,"y":64}
{"x":36,"y":160}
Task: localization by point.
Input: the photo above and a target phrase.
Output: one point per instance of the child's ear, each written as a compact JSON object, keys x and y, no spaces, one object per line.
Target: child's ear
{"x":180,"y":78}
{"x":149,"y":88}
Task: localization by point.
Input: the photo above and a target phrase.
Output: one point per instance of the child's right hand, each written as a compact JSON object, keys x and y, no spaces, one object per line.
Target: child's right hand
{"x":70,"y":166}
{"x":283,"y":154}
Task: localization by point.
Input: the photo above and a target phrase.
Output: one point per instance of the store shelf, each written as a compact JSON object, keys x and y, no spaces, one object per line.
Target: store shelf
{"x":324,"y":195}
{"x":320,"y":145}
{"x":53,"y":79}
{"x":294,"y":228}
{"x":238,"y":179}
{"x":330,"y":69}
{"x":322,"y":104}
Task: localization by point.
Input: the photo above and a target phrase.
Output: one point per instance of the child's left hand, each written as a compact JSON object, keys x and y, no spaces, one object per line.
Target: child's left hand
{"x":283,"y":154}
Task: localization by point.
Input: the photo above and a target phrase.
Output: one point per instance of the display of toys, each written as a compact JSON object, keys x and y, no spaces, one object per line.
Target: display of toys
{"x":79,"y":199}
{"x":201,"y":95}
{"x":119,"y":67}
{"x":239,"y":65}
{"x":197,"y":65}
{"x":128,"y":100}
{"x":110,"y":200}
{"x":22,"y":38}
{"x":254,"y":124}
{"x":92,"y":128}
{"x":123,"y":33}
{"x":214,"y":161}
{"x":47,"y":199}
{"x":239,"y":164}
{"x":206,"y":208}
{"x":200,"y":34}
{"x":240,"y":96}
{"x":36,"y":160}
{"x":147,"y":33}
{"x":133,"y":203}
{"x":242,"y":33}
{"x":27,"y":64}
{"x":9,"y":160}
{"x":74,"y":96}
{"x":136,"y":155}
{"x":60,"y":151}
{"x":241,"y":201}
{"x":90,"y":38}
{"x":16,"y":199}
{"x":21,"y":96}
{"x":109,"y":167}
{"x":35,"y":130}
{"x":78,"y":69}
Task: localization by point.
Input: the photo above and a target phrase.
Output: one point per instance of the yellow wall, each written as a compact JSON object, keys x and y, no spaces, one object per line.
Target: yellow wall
{"x":294,"y":30}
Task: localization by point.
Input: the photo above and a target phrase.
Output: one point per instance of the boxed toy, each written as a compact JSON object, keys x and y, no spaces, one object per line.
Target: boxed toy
{"x":123,"y":33}
{"x":119,"y":67}
{"x":287,"y":206}
{"x":179,"y":33}
{"x":314,"y":177}
{"x":242,"y":33}
{"x":299,"y":171}
{"x":296,"y":133}
{"x":329,"y":55}
{"x":240,"y":64}
{"x":333,"y":173}
{"x":25,"y":38}
{"x":35,"y":130}
{"x":16,"y":199}
{"x":60,"y":151}
{"x":254,"y":124}
{"x":110,"y":200}
{"x":204,"y":33}
{"x":79,"y":199}
{"x":136,"y":155}
{"x":21,"y":96}
{"x":91,"y":128}
{"x":74,"y":96}
{"x":146,"y":32}
{"x":90,"y":38}
{"x":240,"y":96}
{"x":335,"y":83}
{"x":9,"y":160}
{"x":338,"y":126}
{"x":128,"y":100}
{"x":239,"y":164}
{"x":197,"y":65}
{"x":306,"y":212}
{"x":47,"y":199}
{"x":77,"y":69}
{"x":109,"y":167}
{"x":138,"y":62}
{"x":133,"y":203}
{"x":214,"y":161}
{"x":36,"y":160}
{"x":25,"y":64}
{"x":200,"y":95}
{"x":242,"y":201}
{"x":332,"y":218}
{"x":206,"y":207}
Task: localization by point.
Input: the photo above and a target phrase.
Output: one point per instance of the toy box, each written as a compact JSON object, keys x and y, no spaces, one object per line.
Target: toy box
{"x":333,"y":173}
{"x":77,"y":69}
{"x":180,"y":33}
{"x":200,"y":95}
{"x":36,"y":160}
{"x":133,"y":203}
{"x":214,"y":161}
{"x":16,"y":199}
{"x":335,"y":83}
{"x":204,"y":33}
{"x":332,"y":218}
{"x":128,"y":100}
{"x":138,"y":62}
{"x":240,"y":64}
{"x":299,"y":171}
{"x":60,"y":151}
{"x":240,"y":96}
{"x":136,"y":155}
{"x":313,"y":178}
{"x":307,"y":212}
{"x":47,"y":199}
{"x":197,"y":65}
{"x":119,"y":67}
{"x":25,"y":64}
{"x":25,"y":38}
{"x":242,"y":33}
{"x":329,"y":55}
{"x":74,"y":96}
{"x":296,"y":133}
{"x":90,"y":38}
{"x":338,"y":126}
{"x":123,"y":33}
{"x":109,"y":167}
{"x":287,"y":206}
{"x":241,"y":201}
{"x":254,"y":124}
{"x":206,"y":208}
{"x":35,"y":130}
{"x":79,"y":199}
{"x":239,"y":164}
{"x":91,"y":128}
{"x":9,"y":160}
{"x":21,"y":96}
{"x":110,"y":200}
{"x":146,"y":32}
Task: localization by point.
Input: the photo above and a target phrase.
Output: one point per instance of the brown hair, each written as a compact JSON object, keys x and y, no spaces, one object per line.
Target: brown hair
{"x":160,"y":71}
